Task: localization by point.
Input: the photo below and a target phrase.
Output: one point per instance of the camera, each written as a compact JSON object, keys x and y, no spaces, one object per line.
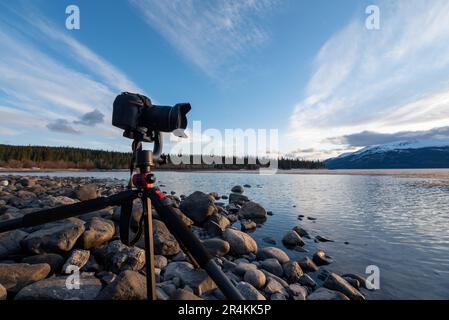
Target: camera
{"x":144,"y":121}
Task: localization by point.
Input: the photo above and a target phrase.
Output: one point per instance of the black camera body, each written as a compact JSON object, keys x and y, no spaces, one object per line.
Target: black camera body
{"x":141,"y":120}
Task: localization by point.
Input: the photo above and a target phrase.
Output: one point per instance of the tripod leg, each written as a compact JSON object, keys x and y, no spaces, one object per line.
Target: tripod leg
{"x":149,"y":249}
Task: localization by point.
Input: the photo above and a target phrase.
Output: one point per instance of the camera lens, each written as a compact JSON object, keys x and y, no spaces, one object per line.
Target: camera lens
{"x":165,"y":118}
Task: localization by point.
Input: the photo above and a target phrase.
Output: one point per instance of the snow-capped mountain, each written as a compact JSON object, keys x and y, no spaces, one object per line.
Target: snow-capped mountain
{"x":396,"y":155}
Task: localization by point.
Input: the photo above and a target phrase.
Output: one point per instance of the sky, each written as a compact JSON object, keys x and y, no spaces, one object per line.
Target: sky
{"x":310,"y":69}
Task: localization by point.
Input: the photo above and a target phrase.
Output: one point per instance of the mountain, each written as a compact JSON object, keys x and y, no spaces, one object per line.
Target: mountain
{"x":396,"y":155}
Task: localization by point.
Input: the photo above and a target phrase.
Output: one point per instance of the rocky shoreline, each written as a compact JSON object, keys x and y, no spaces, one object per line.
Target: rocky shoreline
{"x":42,"y":262}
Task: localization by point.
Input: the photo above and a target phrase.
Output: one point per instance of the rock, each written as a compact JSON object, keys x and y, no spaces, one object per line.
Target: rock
{"x":269,"y":240}
{"x":55,"y":237}
{"x":292,"y":271}
{"x":302,"y":233}
{"x":4,"y":183}
{"x":242,"y":267}
{"x":55,"y":288}
{"x":273,"y":266}
{"x":297,"y":291}
{"x":160,"y":261}
{"x":247,"y":186}
{"x":232,"y":217}
{"x":307,"y":281}
{"x":359,"y":278}
{"x":335,"y":282}
{"x":255,"y":277}
{"x":15,"y":276}
{"x":77,"y":259}
{"x":164,"y":242}
{"x":98,"y":231}
{"x":55,"y":261}
{"x":183,"y":217}
{"x":119,"y":257}
{"x":181,"y":294}
{"x":277,"y":297}
{"x":198,"y":207}
{"x":274,"y":286}
{"x":87,"y":192}
{"x":129,"y":285}
{"x":224,"y":197}
{"x":10,"y":242}
{"x":26,"y":195}
{"x":216,"y":224}
{"x":214,"y":195}
{"x":308,"y":265}
{"x":323,"y":239}
{"x":311,"y":218}
{"x":197,"y":279}
{"x":249,"y":292}
{"x":273,"y":252}
{"x":27,"y":182}
{"x":247,"y":225}
{"x":217,"y":247}
{"x":291,"y":238}
{"x":3,"y":293}
{"x":321,"y":258}
{"x":254,"y":211}
{"x":58,"y":201}
{"x":238,"y":198}
{"x":326,"y":294}
{"x":237,"y":189}
{"x":240,"y":242}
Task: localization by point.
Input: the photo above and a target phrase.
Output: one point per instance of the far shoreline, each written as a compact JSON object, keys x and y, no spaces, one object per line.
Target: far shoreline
{"x":431,"y":173}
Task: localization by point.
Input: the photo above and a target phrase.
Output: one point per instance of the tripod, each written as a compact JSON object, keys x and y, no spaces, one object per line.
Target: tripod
{"x":140,"y":186}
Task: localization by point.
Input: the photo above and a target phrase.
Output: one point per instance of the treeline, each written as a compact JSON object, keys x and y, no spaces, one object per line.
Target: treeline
{"x":29,"y":157}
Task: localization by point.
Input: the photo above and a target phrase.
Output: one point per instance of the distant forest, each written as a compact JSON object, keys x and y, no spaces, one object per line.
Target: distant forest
{"x":18,"y":157}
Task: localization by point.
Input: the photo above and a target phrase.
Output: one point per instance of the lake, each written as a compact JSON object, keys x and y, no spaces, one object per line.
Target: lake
{"x":398,"y":223}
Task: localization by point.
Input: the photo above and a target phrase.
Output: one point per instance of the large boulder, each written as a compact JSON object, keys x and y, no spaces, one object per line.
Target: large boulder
{"x":118,"y":257}
{"x":62,"y":288}
{"x":217,"y":247}
{"x":198,"y":207}
{"x":337,"y":283}
{"x":10,"y":242}
{"x":308,"y":265}
{"x":15,"y":276}
{"x":197,"y":279}
{"x":254,"y":211}
{"x":164,"y":242}
{"x":273,"y":252}
{"x":273,"y":266}
{"x":129,"y":285}
{"x":87,"y":192}
{"x":292,"y":239}
{"x":98,"y":231}
{"x":255,"y":277}
{"x":238,"y":198}
{"x":292,"y":271}
{"x":55,"y":261}
{"x":54,"y":237}
{"x":274,"y":286}
{"x":240,"y":242}
{"x":249,"y":292}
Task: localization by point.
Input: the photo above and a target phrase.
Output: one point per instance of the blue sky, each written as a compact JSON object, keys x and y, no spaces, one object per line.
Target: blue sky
{"x":308,"y":68}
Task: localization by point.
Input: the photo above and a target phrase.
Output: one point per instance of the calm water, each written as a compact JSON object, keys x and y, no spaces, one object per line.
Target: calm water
{"x":399,"y":224}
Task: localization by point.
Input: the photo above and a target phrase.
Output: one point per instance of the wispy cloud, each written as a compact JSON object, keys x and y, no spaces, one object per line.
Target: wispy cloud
{"x":388,"y":80}
{"x":208,"y":33}
{"x":51,"y":77}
